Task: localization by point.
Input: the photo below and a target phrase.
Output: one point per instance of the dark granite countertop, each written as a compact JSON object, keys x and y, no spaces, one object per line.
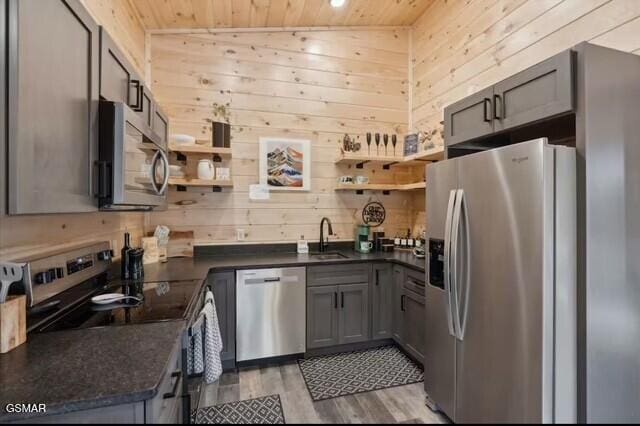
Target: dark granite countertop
{"x":198,"y":267}
{"x":83,"y":369}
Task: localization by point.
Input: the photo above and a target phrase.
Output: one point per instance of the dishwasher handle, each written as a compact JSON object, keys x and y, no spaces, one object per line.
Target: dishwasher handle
{"x":262,"y":280}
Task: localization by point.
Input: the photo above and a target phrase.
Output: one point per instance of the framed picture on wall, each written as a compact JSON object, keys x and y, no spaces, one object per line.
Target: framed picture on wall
{"x":285,"y":164}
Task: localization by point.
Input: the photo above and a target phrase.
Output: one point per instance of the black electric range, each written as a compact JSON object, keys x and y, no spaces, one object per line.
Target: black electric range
{"x":158,"y":301}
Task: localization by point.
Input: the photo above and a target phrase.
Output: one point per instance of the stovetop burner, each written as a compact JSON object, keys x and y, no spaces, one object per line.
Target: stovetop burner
{"x":159,"y":301}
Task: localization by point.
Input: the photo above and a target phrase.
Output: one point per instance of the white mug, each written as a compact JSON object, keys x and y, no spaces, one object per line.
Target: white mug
{"x":366,"y":246}
{"x":362,"y":180}
{"x":206,"y":170}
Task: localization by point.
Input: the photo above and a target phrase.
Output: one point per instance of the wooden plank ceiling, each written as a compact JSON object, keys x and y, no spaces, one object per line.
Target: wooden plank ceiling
{"x":191,"y":14}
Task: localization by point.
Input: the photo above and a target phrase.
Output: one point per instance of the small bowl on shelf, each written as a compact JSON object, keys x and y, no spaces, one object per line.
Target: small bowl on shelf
{"x":179,"y":139}
{"x":176,"y":171}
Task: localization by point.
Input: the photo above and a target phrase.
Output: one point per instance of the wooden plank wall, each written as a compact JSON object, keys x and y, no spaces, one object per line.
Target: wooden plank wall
{"x":25,"y":235}
{"x":316,"y":85}
{"x":121,"y":19}
{"x":462,"y":46}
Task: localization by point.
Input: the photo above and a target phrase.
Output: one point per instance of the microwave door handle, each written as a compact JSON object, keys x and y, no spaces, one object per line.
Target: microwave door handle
{"x":165,"y":165}
{"x":455,"y":240}
{"x":154,"y":163}
{"x":447,"y":260}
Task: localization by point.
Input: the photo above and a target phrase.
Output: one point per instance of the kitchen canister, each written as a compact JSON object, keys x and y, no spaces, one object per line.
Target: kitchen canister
{"x":206,"y":170}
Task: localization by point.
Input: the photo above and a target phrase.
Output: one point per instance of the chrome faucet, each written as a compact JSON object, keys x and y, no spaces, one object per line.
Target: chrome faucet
{"x":324,"y":245}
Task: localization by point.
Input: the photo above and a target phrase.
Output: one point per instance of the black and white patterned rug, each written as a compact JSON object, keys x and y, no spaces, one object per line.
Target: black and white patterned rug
{"x":343,"y":374}
{"x":265,"y":410}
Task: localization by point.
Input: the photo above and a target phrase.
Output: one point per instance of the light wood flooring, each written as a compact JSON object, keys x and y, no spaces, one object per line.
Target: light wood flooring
{"x":403,"y":404}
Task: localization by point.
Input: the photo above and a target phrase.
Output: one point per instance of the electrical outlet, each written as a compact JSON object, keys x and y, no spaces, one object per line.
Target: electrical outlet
{"x":240,"y":234}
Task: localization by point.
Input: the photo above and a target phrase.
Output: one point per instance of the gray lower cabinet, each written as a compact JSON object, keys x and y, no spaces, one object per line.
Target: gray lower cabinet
{"x":397,"y":304}
{"x":414,"y":324}
{"x":322,"y":316}
{"x":381,"y":296}
{"x":223,"y":285}
{"x":409,"y":316}
{"x":338,"y":305}
{"x":539,"y":92}
{"x":353,"y":318}
{"x":53,"y":93}
{"x":166,"y":406}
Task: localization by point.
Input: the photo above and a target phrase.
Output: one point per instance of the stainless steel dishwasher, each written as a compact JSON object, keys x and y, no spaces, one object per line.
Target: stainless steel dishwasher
{"x":270,"y":313}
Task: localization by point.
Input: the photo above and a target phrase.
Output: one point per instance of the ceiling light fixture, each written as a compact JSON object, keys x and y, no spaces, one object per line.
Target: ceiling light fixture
{"x":337,"y":3}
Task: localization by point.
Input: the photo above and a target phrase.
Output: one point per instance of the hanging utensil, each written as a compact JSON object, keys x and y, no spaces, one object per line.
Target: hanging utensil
{"x":378,"y":144}
{"x":9,"y":274}
{"x":369,"y":143}
{"x":385,"y":139}
{"x":394,"y":141}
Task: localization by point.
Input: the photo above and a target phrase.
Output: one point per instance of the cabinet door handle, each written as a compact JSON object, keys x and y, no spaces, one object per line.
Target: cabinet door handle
{"x":335,"y":300}
{"x":342,"y":300}
{"x":103,"y":179}
{"x":174,"y":391}
{"x":498,"y":112}
{"x":487,"y":110}
{"x":138,"y":105}
{"x":377,"y":277}
{"x":402,"y":303}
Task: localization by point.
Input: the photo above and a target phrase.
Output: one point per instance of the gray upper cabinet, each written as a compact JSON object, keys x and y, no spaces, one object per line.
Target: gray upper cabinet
{"x":381,"y":296}
{"x":147,"y":108}
{"x":469,"y":118}
{"x":397,"y":304}
{"x":53,"y":92}
{"x":322,"y":316}
{"x":160,"y":123}
{"x":223,"y":285}
{"x":118,"y":80}
{"x":539,"y":92}
{"x":353,"y":323}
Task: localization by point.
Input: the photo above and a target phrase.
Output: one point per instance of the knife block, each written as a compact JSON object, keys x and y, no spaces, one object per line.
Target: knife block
{"x":13,"y":323}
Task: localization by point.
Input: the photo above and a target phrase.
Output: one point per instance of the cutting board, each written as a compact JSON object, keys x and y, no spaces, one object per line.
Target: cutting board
{"x":13,"y":323}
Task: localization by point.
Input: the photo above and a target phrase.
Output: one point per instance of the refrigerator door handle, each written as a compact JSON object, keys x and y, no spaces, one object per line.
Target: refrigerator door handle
{"x":455,"y":240}
{"x":447,"y":260}
{"x":466,"y":259}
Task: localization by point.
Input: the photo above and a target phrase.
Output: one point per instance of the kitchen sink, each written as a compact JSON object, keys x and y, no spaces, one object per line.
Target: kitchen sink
{"x":328,"y":256}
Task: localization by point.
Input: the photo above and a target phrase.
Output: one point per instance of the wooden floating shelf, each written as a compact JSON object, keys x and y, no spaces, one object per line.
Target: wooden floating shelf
{"x":201,"y":149}
{"x":359,"y":158}
{"x":200,"y":182}
{"x":434,"y":154}
{"x":386,"y":187}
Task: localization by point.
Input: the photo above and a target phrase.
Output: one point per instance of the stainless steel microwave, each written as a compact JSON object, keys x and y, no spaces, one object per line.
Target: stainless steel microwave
{"x":133,"y":166}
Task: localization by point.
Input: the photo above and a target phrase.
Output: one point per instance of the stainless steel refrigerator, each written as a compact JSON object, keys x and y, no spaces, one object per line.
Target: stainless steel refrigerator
{"x":501,"y":299}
